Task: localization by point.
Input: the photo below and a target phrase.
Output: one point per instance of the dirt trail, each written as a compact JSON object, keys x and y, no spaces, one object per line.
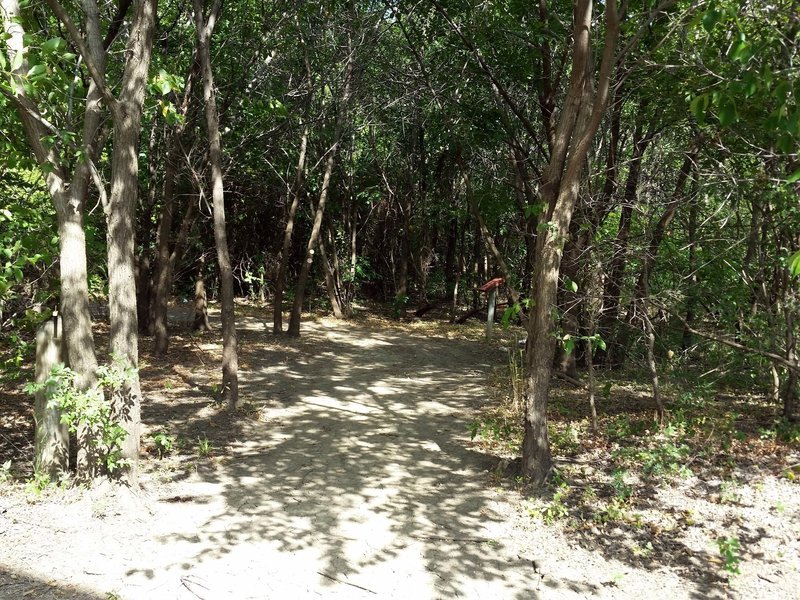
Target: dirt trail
{"x":356,"y":481}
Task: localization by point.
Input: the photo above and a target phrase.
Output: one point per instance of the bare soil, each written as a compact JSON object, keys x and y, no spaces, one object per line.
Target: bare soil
{"x":350,"y":473}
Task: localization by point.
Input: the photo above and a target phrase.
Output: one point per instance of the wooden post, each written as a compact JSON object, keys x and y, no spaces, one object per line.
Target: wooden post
{"x":490,"y":287}
{"x":490,"y":314}
{"x":52,"y":436}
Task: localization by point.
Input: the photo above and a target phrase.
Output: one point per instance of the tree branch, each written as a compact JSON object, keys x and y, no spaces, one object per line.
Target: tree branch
{"x":501,"y":90}
{"x":777,"y":358}
{"x":94,"y":69}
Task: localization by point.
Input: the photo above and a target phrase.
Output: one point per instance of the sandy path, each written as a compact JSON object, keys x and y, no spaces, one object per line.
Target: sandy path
{"x":357,"y":481}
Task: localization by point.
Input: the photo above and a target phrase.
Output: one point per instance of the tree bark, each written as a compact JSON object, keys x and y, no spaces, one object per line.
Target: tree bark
{"x":69,"y":201}
{"x":613,"y":288}
{"x":330,"y":280}
{"x":341,"y":114}
{"x":163,"y":269}
{"x":230,"y":357}
{"x":120,"y":216}
{"x":560,"y":193}
{"x":51,"y":456}
{"x":294,"y":193}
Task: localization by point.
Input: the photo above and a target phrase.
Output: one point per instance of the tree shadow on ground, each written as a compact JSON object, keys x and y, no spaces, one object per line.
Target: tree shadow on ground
{"x":357,"y":475}
{"x":15,"y":584}
{"x":660,"y":529}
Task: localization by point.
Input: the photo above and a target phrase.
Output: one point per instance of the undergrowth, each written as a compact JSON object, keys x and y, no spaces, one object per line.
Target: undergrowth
{"x":602,"y":480}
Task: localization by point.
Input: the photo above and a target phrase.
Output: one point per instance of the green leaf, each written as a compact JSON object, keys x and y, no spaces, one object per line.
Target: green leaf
{"x":569,"y":344}
{"x":532,"y":210}
{"x":727,"y":112}
{"x":36,"y":70}
{"x":16,"y":62}
{"x":53,"y":44}
{"x":710,"y":19}
{"x":794,"y":263}
{"x":570,"y":285}
{"x":698,"y":106}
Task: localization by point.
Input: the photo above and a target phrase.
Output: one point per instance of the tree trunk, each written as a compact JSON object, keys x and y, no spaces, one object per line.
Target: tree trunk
{"x":294,"y":193}
{"x":51,"y":456}
{"x":650,"y":336}
{"x":691,"y":292}
{"x":230,"y":357}
{"x":120,"y":216}
{"x":302,"y":280}
{"x":330,"y":281}
{"x":642,"y":289}
{"x":69,"y":202}
{"x":200,"y":322}
{"x":536,"y":457}
{"x":613,"y":289}
{"x":404,"y":242}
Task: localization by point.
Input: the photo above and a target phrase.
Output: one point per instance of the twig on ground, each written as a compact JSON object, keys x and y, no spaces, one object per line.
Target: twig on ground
{"x":185,"y":581}
{"x":436,"y":538}
{"x":345,"y":582}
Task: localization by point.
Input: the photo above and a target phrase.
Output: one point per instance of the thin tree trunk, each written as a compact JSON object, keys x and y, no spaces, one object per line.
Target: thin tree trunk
{"x":230,"y":356}
{"x":613,"y":289}
{"x":302,"y":280}
{"x":691,"y":292}
{"x":650,"y":336}
{"x":401,"y":293}
{"x":330,"y":281}
{"x":200,"y":322}
{"x":642,"y":289}
{"x":592,"y":386}
{"x":162,"y":273}
{"x":790,"y":393}
{"x":294,"y":192}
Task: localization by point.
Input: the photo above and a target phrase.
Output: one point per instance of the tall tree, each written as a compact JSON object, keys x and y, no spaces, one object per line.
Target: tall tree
{"x":230,"y":355}
{"x":559,"y":193}
{"x":126,"y":114}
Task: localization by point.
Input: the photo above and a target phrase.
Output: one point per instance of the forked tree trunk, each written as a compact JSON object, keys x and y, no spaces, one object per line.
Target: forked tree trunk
{"x":230,"y":357}
{"x":536,"y":456}
{"x":69,"y":202}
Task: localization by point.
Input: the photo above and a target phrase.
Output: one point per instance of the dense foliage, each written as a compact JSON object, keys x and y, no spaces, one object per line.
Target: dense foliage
{"x":412,"y":144}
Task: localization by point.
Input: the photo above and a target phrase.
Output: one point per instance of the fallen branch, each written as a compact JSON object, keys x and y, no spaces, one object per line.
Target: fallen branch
{"x":736,"y":345}
{"x":436,"y":538}
{"x":568,"y":379}
{"x":185,"y":581}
